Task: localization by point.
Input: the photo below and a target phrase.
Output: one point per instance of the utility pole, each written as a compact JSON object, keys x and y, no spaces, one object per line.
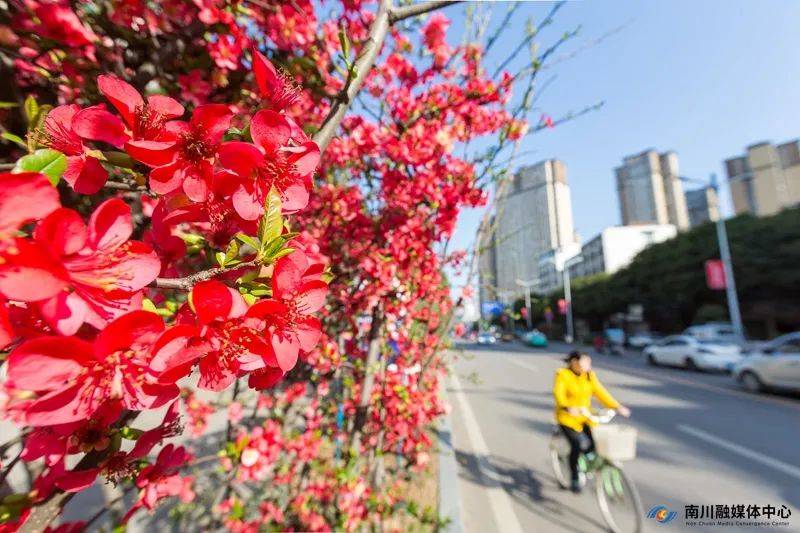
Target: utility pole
{"x":568,"y":296}
{"x":528,"y":284}
{"x":727,"y":265}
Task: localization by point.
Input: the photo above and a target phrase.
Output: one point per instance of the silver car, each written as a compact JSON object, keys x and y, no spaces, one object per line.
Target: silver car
{"x":775,"y":364}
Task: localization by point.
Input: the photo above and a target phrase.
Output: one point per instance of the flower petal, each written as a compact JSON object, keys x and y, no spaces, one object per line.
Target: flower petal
{"x":311,"y":296}
{"x":269,"y":130}
{"x":31,"y":274}
{"x":122,"y":95}
{"x":97,"y":124}
{"x":265,"y":378}
{"x":212,"y":301}
{"x":63,"y":232}
{"x":153,"y":153}
{"x":66,"y":312}
{"x":168,"y":107}
{"x":47,"y":363}
{"x":24,"y":197}
{"x":85,"y":174}
{"x":287,"y":349}
{"x":309,"y":331}
{"x":136,"y":327}
{"x":213,"y":120}
{"x":241,"y":158}
{"x":246,"y":204}
{"x":110,"y":225}
{"x":285,"y":279}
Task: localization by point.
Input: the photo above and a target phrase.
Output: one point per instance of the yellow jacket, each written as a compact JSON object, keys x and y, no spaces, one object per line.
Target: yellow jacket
{"x":572,"y":390}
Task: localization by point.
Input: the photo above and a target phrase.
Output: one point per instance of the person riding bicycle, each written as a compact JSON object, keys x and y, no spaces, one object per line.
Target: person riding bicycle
{"x":573,"y":389}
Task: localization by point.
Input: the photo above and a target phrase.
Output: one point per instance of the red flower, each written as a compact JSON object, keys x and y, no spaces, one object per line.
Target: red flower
{"x":144,"y":120}
{"x":224,"y":344}
{"x":275,"y":86}
{"x":77,"y":273}
{"x":85,"y":174}
{"x":24,"y":197}
{"x":73,"y":378}
{"x":271,"y":162}
{"x":61,"y":24}
{"x":287,"y":316}
{"x":161,"y":479}
{"x":188,"y":161}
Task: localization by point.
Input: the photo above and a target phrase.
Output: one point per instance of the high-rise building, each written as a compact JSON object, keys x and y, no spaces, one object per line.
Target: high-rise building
{"x":766,"y":179}
{"x":650,"y":190}
{"x":702,"y":205}
{"x":487,"y":267}
{"x":533,"y":215}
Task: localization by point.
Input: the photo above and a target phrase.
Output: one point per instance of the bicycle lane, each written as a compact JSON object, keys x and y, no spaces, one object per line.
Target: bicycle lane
{"x":697,"y":445}
{"x":508,"y":485}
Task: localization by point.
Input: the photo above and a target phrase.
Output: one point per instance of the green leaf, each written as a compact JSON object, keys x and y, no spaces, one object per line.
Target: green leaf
{"x":232,"y":252}
{"x":220,"y":257}
{"x":271,"y":224}
{"x":252,"y":242}
{"x":14,"y":139}
{"x":49,"y":162}
{"x":31,"y":108}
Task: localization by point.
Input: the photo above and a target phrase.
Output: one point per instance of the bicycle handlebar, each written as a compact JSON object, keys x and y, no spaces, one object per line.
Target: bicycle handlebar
{"x":603,"y":416}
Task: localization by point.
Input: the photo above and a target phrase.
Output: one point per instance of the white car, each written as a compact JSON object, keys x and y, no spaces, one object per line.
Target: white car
{"x":775,"y":364}
{"x":486,"y":338}
{"x":642,"y":340}
{"x":713,"y":331}
{"x":694,"y":354}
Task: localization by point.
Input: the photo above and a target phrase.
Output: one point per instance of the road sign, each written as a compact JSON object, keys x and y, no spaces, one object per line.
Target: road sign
{"x":715,"y":275}
{"x":492,"y":308}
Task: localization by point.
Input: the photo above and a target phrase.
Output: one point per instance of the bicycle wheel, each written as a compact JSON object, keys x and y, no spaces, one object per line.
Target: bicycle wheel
{"x":559,"y":459}
{"x":618,"y":500}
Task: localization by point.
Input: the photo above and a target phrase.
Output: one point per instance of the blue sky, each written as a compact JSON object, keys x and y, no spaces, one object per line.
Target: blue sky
{"x":704,"y":79}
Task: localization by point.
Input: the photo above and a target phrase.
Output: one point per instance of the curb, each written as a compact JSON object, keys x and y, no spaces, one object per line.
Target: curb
{"x":449,"y":498}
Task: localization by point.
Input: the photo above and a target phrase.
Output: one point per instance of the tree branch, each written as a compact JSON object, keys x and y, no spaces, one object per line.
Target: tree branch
{"x":384,"y":18}
{"x":188,"y":282}
{"x":401,"y":13}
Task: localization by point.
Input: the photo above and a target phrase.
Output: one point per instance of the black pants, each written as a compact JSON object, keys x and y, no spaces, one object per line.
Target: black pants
{"x":579,"y":442}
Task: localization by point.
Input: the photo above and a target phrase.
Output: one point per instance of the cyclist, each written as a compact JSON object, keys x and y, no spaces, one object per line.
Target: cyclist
{"x":574,"y":387}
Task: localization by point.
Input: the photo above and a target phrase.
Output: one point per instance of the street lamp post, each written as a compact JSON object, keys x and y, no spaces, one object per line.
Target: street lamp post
{"x":727,"y":265}
{"x":568,"y":296}
{"x":725,"y":255}
{"x":528,"y":284}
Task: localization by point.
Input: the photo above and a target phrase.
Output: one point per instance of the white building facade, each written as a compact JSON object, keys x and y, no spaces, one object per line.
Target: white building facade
{"x":615,"y":247}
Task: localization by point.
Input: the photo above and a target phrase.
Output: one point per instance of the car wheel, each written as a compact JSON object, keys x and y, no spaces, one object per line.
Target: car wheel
{"x":691,"y":365}
{"x":651,"y":360}
{"x":750,"y":382}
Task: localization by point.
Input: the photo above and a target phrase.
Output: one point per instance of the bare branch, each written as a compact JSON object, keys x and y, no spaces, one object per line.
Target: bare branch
{"x":401,"y":13}
{"x":188,"y":282}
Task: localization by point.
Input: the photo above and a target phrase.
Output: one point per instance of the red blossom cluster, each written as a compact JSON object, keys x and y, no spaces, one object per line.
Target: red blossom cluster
{"x":89,"y":349}
{"x":162,"y":271}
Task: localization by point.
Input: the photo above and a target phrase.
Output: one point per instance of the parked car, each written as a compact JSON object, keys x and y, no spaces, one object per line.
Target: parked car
{"x":694,"y":354}
{"x":773,"y":365}
{"x":642,"y":340}
{"x":486,"y":338}
{"x":713,"y":331}
{"x":535,"y":338}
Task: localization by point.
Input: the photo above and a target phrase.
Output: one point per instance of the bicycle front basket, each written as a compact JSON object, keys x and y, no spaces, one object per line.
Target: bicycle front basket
{"x":615,"y":442}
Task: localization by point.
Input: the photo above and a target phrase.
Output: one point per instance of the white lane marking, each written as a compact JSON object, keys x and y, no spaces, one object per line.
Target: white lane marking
{"x":522,"y":364}
{"x":503,"y":511}
{"x":758,"y":457}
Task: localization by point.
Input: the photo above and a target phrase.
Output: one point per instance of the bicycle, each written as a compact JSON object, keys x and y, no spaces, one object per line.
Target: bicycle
{"x":617,"y":496}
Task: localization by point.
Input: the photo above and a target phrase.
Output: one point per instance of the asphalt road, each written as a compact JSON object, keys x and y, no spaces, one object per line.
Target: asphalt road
{"x":701,"y":442}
